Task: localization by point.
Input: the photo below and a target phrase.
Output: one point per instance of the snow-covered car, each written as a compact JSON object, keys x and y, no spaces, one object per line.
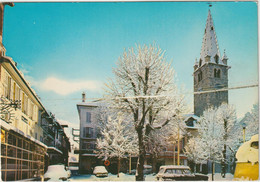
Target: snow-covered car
{"x":56,"y":172}
{"x":179,"y":173}
{"x":100,"y":171}
{"x":74,"y":168}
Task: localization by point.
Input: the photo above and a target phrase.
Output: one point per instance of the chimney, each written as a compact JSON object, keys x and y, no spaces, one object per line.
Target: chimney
{"x":83,"y":97}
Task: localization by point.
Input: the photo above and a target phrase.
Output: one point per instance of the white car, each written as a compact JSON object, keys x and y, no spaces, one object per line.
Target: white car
{"x":56,"y":173}
{"x":100,"y":171}
{"x":179,"y":173}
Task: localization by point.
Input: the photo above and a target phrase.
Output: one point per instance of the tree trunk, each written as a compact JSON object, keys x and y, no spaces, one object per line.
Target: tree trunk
{"x":140,"y":164}
{"x":213,"y":170}
{"x":130,"y":163}
{"x":154,"y":165}
{"x":118,"y":167}
{"x":173,"y":154}
{"x":223,"y":162}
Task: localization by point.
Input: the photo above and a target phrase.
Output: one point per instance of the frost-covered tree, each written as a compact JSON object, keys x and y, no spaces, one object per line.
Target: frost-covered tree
{"x":226,"y":116}
{"x":144,"y":87}
{"x":155,"y":144}
{"x":251,"y":119}
{"x":115,"y":141}
{"x":216,"y":128}
{"x":100,"y":116}
{"x":211,"y":135}
{"x":193,"y":151}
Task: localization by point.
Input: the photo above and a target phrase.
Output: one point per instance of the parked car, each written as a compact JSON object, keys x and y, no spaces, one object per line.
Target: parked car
{"x":100,"y":171}
{"x":56,"y":172}
{"x":147,"y":170}
{"x":74,"y":168}
{"x":179,"y":173}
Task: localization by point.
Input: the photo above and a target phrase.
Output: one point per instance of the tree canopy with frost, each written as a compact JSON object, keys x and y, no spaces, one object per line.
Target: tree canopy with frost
{"x":144,"y":87}
{"x":116,"y":141}
{"x":192,"y":151}
{"x":251,"y":119}
{"x":216,"y":132}
{"x":226,"y":116}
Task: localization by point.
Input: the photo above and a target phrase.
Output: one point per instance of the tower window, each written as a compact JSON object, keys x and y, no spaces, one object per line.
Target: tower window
{"x":216,"y":58}
{"x":217,"y":73}
{"x":212,"y":28}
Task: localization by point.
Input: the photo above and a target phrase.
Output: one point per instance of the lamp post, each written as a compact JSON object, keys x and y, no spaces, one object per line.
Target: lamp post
{"x":244,"y":132}
{"x":178,"y":159}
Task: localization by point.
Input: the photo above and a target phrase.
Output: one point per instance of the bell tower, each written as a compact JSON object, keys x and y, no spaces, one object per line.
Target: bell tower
{"x":210,"y":72}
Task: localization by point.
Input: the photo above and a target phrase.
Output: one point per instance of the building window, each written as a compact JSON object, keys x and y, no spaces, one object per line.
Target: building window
{"x":9,"y":87}
{"x":88,"y":146}
{"x":88,"y":132}
{"x":88,"y":117}
{"x":216,"y":59}
{"x":23,"y":102}
{"x":20,"y":157}
{"x":217,"y":73}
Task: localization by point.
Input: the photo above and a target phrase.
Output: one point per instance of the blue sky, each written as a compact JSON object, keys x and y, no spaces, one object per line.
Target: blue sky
{"x":61,"y":46}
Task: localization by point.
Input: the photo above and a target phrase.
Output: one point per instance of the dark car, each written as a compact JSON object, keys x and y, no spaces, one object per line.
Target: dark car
{"x":179,"y":173}
{"x":147,"y":170}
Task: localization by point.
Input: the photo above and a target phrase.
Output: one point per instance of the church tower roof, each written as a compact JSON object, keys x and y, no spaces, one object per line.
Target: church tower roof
{"x":210,"y":50}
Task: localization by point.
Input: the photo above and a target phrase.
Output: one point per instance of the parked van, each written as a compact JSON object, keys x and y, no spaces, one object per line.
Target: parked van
{"x":247,"y":167}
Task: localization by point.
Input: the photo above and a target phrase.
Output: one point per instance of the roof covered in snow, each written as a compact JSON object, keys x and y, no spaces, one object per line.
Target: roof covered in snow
{"x":209,"y":44}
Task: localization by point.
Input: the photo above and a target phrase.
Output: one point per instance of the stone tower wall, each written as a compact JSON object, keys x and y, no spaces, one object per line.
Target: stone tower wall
{"x":210,"y":82}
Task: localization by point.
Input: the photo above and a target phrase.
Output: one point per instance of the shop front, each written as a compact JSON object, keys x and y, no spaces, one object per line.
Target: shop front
{"x":21,"y":157}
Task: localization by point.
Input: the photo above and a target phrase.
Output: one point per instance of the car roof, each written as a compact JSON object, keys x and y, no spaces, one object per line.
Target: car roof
{"x":175,"y":167}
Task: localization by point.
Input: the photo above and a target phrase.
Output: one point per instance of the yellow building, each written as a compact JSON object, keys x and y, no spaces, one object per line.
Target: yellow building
{"x":13,"y":87}
{"x":22,"y":150}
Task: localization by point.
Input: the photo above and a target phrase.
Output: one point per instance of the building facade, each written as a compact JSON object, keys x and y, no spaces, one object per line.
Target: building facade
{"x":25,"y":149}
{"x":87,"y":136}
{"x":210,"y":73}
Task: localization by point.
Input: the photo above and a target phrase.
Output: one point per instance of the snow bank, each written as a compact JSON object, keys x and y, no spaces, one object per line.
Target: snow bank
{"x":218,"y":177}
{"x":111,"y":177}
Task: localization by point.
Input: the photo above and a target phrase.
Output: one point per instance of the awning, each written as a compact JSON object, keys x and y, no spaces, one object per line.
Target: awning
{"x":93,"y":155}
{"x":55,"y":149}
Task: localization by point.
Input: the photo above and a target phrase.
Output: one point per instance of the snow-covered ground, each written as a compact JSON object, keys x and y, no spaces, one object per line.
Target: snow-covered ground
{"x":111,"y":177}
{"x":126,"y":177}
{"x":218,"y":177}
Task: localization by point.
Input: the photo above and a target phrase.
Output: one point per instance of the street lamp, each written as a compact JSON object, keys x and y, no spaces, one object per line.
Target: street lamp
{"x":244,"y":132}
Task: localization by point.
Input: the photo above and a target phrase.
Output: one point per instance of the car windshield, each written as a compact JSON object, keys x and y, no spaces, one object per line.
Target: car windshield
{"x":168,"y":171}
{"x":178,"y":171}
{"x":161,"y":170}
